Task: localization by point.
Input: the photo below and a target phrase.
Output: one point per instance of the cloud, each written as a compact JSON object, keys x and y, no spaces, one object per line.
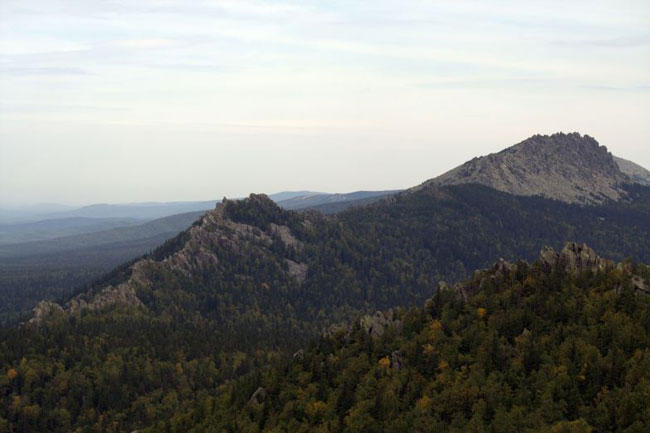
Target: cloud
{"x":147,"y":43}
{"x":618,"y":42}
{"x":42,"y":70}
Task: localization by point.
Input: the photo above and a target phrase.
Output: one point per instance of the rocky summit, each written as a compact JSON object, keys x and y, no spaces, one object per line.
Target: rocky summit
{"x":572,"y":168}
{"x":637,"y":173}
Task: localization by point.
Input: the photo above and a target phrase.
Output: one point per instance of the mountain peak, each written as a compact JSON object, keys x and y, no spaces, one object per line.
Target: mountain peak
{"x":573,"y":168}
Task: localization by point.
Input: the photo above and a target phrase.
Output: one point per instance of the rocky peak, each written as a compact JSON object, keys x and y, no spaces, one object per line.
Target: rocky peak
{"x":195,"y":252}
{"x":574,"y":258}
{"x":634,"y":171}
{"x":571,"y":167}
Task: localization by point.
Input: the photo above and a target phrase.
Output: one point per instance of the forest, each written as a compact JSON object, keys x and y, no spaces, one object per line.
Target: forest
{"x":206,"y":336}
{"x":535,"y":348}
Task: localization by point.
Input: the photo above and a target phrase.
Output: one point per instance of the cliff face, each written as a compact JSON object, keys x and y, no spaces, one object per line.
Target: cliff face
{"x":637,"y":173}
{"x":568,"y":167}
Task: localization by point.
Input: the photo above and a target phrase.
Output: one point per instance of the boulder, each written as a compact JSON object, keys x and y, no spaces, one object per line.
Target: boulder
{"x":258,"y":397}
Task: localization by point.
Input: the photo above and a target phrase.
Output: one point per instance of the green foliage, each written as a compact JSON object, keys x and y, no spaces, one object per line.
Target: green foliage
{"x":536,"y":351}
{"x":171,"y":365}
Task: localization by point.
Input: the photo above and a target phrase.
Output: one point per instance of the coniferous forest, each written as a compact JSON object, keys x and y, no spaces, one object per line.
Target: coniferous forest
{"x":223,"y":307}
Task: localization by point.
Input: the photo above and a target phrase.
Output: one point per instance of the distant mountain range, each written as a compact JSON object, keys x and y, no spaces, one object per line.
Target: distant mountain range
{"x":342,"y":201}
{"x":59,"y":227}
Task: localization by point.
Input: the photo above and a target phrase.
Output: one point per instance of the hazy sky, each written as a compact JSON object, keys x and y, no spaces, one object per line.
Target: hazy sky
{"x":120,"y":101}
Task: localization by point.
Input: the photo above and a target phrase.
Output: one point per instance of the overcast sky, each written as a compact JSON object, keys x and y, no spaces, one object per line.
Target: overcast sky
{"x":122,"y":101}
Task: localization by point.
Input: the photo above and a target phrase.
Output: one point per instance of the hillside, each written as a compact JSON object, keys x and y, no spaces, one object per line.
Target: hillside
{"x":338,"y":202}
{"x":50,"y":269}
{"x":251,"y":282}
{"x":566,"y":167}
{"x":59,"y":227}
{"x":560,"y":345}
{"x":637,"y":173}
{"x":162,"y":336}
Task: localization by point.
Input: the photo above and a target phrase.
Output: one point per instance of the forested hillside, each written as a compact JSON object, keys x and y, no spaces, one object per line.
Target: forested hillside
{"x":250,"y":282}
{"x":562,"y":345}
{"x":55,"y":268}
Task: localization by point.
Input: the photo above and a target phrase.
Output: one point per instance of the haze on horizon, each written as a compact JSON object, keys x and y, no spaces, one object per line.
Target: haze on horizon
{"x":163,"y":100}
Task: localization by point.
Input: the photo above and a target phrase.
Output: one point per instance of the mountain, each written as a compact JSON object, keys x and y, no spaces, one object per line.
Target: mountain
{"x":288,"y":195}
{"x":634,"y":171}
{"x":49,"y":269}
{"x":167,"y":226}
{"x":150,"y":210}
{"x":559,"y":345}
{"x":250,"y":282}
{"x":157,"y":342}
{"x":59,"y":227}
{"x":568,"y":167}
{"x":340,"y":206}
{"x":16,"y":214}
{"x":343,"y":201}
{"x":48,"y":258}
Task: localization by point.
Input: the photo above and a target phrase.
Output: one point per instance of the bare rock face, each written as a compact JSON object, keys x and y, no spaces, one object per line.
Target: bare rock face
{"x":299,"y":356}
{"x":378,"y":323}
{"x":258,"y":397}
{"x":43,"y":311}
{"x":123,"y":294}
{"x":395,"y":360}
{"x":637,"y":173}
{"x":285,"y":235}
{"x":566,"y":167}
{"x":297,"y":270}
{"x":574,"y":258}
{"x":640,"y":286}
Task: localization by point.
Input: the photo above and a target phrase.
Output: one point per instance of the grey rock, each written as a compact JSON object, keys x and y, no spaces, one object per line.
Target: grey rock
{"x":299,"y":356}
{"x":637,"y":173}
{"x":378,"y":323}
{"x":574,"y":258}
{"x":640,"y":285}
{"x":43,"y":311}
{"x":297,"y":270}
{"x":284,"y":233}
{"x":568,"y":167}
{"x":395,"y":360}
{"x":258,"y":397}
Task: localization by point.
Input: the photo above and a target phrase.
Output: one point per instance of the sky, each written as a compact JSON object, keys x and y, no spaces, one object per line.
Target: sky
{"x":168,"y":100}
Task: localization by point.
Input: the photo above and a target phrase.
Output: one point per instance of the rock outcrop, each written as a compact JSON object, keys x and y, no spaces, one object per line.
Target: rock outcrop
{"x":634,"y":171}
{"x":44,"y":311}
{"x":379,"y":322}
{"x":258,"y":397}
{"x":196,"y":253}
{"x":568,"y":167}
{"x":574,"y":258}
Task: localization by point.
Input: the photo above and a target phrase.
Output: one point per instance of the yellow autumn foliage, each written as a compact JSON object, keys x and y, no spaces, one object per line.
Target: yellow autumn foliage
{"x":316,"y":408}
{"x":423,"y":403}
{"x":436,"y":325}
{"x":385,"y":362}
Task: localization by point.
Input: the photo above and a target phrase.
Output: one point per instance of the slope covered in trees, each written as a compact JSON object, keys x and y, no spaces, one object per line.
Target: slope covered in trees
{"x":251,"y":282}
{"x":562,"y":345}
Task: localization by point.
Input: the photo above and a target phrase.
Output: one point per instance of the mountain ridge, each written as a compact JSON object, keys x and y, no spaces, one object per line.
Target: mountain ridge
{"x":250,"y":283}
{"x":568,"y":167}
